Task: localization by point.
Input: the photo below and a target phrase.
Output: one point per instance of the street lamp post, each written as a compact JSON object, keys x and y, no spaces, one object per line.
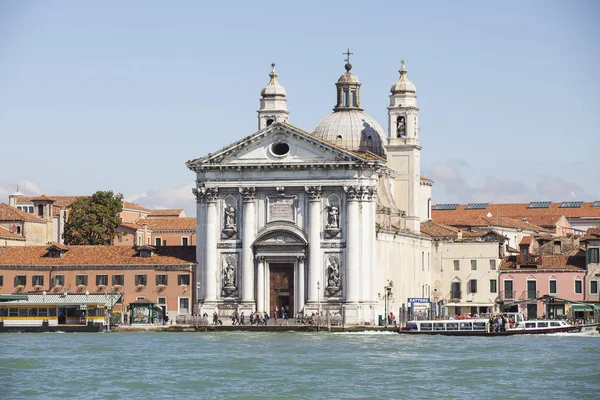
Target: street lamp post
{"x":318,"y":306}
{"x":387,"y":294}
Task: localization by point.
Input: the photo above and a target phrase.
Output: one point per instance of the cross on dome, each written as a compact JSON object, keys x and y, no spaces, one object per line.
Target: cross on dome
{"x":347,"y":54}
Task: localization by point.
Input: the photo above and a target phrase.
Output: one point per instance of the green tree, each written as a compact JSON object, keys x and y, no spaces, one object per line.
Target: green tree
{"x":94,"y":220}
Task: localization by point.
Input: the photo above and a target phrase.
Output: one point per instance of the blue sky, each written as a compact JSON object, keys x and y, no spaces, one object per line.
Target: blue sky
{"x":118,"y":95}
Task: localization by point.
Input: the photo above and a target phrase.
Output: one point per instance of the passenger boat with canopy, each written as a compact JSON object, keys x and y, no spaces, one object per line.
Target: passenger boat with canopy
{"x":41,"y":312}
{"x":483,"y":327}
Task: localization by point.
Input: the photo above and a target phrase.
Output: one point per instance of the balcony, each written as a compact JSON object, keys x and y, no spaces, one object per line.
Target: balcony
{"x":509,"y":295}
{"x":528,"y":259}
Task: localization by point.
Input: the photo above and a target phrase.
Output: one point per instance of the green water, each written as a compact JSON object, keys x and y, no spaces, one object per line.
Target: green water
{"x":297,"y":365}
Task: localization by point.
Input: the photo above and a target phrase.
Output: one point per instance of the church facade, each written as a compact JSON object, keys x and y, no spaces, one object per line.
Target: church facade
{"x":322,"y":222}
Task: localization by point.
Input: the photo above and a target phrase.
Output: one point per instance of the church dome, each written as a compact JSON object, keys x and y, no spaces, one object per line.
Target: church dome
{"x":352,"y":130}
{"x":403,"y":85}
{"x":273,"y":88}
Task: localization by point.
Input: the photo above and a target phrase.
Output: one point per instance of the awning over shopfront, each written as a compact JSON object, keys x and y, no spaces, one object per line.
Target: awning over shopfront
{"x":585,"y":307}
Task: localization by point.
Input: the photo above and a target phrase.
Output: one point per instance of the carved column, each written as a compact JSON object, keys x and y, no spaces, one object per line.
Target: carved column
{"x":301,"y":285}
{"x":208,"y":259}
{"x":368,"y":243}
{"x":249,"y":196}
{"x":353,"y":195}
{"x":314,"y":241}
{"x":260,"y":284}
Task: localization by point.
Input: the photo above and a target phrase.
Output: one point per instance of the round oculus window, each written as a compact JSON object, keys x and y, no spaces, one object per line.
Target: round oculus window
{"x":280,"y":149}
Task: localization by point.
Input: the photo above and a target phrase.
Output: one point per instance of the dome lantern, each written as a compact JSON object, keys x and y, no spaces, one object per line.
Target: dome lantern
{"x":273,"y":102}
{"x":348,"y":126}
{"x":348,"y":89}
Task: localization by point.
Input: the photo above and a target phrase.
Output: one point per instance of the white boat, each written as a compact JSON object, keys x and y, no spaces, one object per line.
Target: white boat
{"x":482,"y":327}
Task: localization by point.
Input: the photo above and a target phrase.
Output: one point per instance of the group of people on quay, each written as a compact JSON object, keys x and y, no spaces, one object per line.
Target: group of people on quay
{"x":256,"y":318}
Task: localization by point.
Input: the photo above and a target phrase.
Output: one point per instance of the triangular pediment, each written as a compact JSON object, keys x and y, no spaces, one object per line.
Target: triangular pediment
{"x":281,"y":143}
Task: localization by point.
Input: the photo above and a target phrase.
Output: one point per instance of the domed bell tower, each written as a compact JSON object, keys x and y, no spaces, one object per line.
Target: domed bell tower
{"x":403,"y":150}
{"x":273,"y":102}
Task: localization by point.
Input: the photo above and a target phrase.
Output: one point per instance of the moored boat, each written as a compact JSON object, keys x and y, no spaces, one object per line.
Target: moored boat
{"x":483,"y":327}
{"x":55,"y":312}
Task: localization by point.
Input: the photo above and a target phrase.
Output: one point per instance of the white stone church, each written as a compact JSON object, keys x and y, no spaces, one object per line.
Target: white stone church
{"x":323,"y":221}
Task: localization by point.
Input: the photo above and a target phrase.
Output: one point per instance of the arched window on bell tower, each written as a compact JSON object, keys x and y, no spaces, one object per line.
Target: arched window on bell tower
{"x":401,"y":126}
{"x":270,"y":121}
{"x":40,"y":210}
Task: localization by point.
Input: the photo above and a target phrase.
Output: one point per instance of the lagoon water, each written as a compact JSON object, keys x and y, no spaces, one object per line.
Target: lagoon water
{"x":150,"y":365}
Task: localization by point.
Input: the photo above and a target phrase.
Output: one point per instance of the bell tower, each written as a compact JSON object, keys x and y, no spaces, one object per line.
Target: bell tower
{"x":403,"y":150}
{"x":273,"y":102}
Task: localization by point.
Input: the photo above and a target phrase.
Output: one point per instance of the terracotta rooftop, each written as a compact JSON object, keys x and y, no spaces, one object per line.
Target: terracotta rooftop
{"x":134,"y":206}
{"x":169,"y":224}
{"x":6,"y":234}
{"x":132,"y":225}
{"x":166,"y":213}
{"x":97,"y":255}
{"x":526,"y":240}
{"x":517,"y":211}
{"x":436,"y":230}
{"x":42,"y":198}
{"x":484,"y":221}
{"x":59,"y":201}
{"x":591,"y":234}
{"x":8,"y":213}
{"x":573,"y":261}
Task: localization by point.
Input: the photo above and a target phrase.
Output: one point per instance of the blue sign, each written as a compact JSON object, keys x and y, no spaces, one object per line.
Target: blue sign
{"x":419,"y":300}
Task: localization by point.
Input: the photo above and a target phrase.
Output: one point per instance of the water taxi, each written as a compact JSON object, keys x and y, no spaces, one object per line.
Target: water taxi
{"x":41,"y":312}
{"x":482,"y":327}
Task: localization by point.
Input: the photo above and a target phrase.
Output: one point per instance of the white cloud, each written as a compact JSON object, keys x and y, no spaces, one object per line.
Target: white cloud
{"x":452,"y":186}
{"x":179,"y":197}
{"x":555,"y":189}
{"x":25,"y":186}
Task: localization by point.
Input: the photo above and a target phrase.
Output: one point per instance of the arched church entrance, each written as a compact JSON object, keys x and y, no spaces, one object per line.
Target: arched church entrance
{"x":280,"y":249}
{"x":281,"y":294}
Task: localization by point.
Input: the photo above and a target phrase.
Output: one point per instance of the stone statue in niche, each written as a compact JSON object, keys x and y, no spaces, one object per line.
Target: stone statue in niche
{"x":333,"y":273}
{"x":228,"y":274}
{"x":401,"y":127}
{"x":230,"y":225}
{"x":332,"y":228}
{"x":333,"y":276}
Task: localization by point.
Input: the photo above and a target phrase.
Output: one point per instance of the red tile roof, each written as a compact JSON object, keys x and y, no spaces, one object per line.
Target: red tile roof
{"x":591,"y":234}
{"x":169,"y":224}
{"x":484,"y":221}
{"x":134,"y":206}
{"x":59,"y":201}
{"x":573,"y":261}
{"x":526,"y":240}
{"x":166,"y":213}
{"x":6,"y":234}
{"x":436,"y":230}
{"x":131,"y":225}
{"x":97,"y":255}
{"x":518,"y":211}
{"x":8,"y":213}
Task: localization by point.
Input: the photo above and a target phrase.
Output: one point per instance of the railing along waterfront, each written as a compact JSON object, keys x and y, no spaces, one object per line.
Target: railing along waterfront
{"x":191,"y":320}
